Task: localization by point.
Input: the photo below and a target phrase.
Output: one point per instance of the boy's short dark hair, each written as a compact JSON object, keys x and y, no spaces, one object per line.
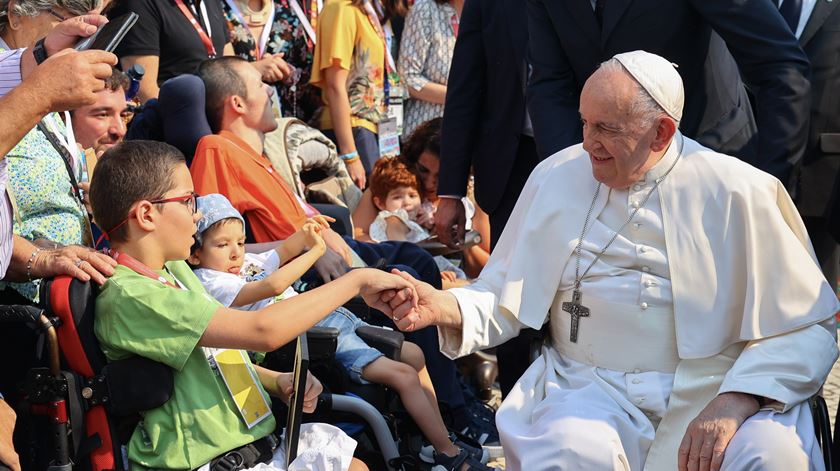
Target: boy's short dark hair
{"x":127,"y":173}
{"x":221,"y":80}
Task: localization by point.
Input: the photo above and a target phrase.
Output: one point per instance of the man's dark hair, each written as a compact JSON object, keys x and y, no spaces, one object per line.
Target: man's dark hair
{"x":117,"y":80}
{"x":129,"y":172}
{"x":220,"y":82}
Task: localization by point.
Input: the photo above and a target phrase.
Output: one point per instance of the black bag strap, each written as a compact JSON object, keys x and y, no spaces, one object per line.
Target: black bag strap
{"x":65,"y":156}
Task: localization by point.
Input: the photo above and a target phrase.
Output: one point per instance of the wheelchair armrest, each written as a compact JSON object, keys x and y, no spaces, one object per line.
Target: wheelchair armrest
{"x":322,"y":342}
{"x":135,"y":384}
{"x":387,"y":341}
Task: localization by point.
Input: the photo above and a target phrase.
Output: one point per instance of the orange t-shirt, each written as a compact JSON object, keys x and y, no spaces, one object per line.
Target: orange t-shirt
{"x":226,"y":164}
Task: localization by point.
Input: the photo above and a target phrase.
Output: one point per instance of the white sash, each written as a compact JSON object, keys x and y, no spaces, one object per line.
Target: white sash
{"x":304,"y":21}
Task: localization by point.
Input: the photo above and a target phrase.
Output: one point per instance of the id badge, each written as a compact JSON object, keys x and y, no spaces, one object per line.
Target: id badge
{"x":389,"y":138}
{"x":242,"y":384}
{"x":396,"y":103}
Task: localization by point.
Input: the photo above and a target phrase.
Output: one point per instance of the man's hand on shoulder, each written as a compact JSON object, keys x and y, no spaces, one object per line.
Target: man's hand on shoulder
{"x":74,"y":260}
{"x":708,"y":435}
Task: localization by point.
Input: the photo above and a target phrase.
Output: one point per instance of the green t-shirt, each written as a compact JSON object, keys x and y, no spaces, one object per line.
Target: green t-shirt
{"x":138,"y":315}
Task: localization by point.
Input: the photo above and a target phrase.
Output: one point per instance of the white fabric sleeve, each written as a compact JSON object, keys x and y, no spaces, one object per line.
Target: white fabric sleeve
{"x":415,"y":45}
{"x":378,"y":230}
{"x":483,"y":324}
{"x":222,"y":286}
{"x":787,"y":368}
{"x":10,"y":70}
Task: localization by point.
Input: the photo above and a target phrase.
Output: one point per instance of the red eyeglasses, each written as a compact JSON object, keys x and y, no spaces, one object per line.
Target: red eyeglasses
{"x":188,"y":200}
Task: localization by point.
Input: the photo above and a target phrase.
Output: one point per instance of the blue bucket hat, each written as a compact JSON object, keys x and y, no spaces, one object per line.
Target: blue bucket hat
{"x":214,"y":208}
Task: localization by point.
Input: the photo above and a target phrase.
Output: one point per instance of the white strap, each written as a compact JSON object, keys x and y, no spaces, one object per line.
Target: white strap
{"x":304,"y":21}
{"x":206,"y":18}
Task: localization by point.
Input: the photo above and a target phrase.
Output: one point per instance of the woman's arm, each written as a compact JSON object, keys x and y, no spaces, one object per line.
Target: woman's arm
{"x":476,"y":256}
{"x":148,"y":86}
{"x":414,"y":50}
{"x":364,"y":214}
{"x":335,"y":87}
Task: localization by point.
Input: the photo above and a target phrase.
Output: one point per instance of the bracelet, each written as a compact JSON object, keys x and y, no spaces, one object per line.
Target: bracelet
{"x":353,"y":160}
{"x":350,"y":156}
{"x":31,"y":261}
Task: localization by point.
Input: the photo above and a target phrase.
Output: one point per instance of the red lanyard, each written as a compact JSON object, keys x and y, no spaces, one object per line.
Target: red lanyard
{"x":208,"y":43}
{"x":130,"y":262}
{"x":455,"y":23}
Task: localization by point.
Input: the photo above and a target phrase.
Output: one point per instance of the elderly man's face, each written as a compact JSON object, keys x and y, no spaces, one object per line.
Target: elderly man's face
{"x":619,"y":148}
{"x":100,"y":126}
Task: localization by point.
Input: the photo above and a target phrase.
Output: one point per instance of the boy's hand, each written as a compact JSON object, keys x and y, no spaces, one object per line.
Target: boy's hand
{"x":313,"y":239}
{"x":375,"y":282}
{"x":310,"y":398}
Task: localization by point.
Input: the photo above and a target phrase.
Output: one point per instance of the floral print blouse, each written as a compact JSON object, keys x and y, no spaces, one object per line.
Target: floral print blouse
{"x":44,"y":204}
{"x":425,"y":55}
{"x":347,"y":38}
{"x":286,"y":37}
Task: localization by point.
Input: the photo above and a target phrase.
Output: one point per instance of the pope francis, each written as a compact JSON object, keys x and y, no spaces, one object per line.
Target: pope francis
{"x":688,"y":320}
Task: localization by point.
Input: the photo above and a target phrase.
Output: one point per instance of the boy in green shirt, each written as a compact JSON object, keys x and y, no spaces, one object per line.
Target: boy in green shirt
{"x":154,"y":306}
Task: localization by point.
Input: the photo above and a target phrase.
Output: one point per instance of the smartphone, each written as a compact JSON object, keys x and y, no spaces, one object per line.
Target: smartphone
{"x":109,"y":36}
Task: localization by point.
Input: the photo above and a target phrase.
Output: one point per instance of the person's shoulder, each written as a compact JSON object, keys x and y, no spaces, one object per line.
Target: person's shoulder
{"x":725,"y":174}
{"x":144,"y":8}
{"x":338,"y":7}
{"x":569,"y":158}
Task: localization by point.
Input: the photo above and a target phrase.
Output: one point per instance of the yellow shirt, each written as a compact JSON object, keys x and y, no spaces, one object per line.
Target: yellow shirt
{"x":345,"y":37}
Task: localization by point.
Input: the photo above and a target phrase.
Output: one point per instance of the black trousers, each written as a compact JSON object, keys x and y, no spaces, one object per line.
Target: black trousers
{"x":512,"y":356}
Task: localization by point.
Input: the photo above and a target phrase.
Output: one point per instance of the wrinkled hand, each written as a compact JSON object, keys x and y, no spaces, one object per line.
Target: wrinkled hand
{"x":357,"y":173}
{"x":69,"y":79}
{"x":330,"y":266}
{"x":410,"y":313}
{"x":450,"y":222}
{"x":273,"y":68}
{"x":67,"y":33}
{"x":79,"y":262}
{"x":8,"y":456}
{"x":708,"y":435}
{"x":310,"y":397}
{"x":376,"y":282}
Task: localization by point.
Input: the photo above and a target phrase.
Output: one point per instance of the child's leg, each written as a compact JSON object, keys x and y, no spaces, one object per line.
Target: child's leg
{"x":404,"y":379}
{"x":413,"y":355}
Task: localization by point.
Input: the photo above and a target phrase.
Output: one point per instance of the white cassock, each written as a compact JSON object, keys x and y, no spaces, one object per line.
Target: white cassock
{"x":711,"y":288}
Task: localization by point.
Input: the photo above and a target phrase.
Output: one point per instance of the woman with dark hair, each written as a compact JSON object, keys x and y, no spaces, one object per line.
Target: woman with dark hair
{"x":355,"y":69}
{"x":421,"y":152}
{"x":425,"y":54}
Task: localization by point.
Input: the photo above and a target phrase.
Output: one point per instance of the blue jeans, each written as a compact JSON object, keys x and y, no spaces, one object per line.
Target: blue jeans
{"x":352,"y":352}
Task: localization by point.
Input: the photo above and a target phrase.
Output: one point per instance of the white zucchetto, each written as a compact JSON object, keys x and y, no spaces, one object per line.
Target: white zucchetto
{"x":658,"y":77}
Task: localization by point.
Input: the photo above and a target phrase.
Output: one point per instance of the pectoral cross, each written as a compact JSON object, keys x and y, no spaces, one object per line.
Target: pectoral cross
{"x":577,"y":310}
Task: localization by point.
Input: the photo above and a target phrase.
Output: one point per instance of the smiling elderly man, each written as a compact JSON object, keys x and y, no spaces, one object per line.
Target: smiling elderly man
{"x":686,"y":330}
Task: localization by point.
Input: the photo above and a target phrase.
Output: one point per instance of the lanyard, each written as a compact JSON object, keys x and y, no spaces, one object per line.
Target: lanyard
{"x":138,"y":267}
{"x":263,"y":40}
{"x":455,"y":22}
{"x":304,"y":21}
{"x":205,"y":38}
{"x":65,"y":154}
{"x":390,"y":67}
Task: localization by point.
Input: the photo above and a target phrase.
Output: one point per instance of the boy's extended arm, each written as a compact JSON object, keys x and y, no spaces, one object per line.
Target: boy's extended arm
{"x":292,"y":247}
{"x":277,"y":282}
{"x":278,"y":324}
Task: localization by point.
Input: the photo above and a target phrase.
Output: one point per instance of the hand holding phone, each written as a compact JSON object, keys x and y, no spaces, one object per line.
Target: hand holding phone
{"x":108,"y":37}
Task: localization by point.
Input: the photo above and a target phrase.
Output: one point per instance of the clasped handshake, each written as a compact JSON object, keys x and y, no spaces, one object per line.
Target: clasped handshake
{"x":414,"y":307}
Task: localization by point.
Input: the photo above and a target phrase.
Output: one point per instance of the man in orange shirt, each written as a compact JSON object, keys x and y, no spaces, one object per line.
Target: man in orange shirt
{"x":231,"y":162}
